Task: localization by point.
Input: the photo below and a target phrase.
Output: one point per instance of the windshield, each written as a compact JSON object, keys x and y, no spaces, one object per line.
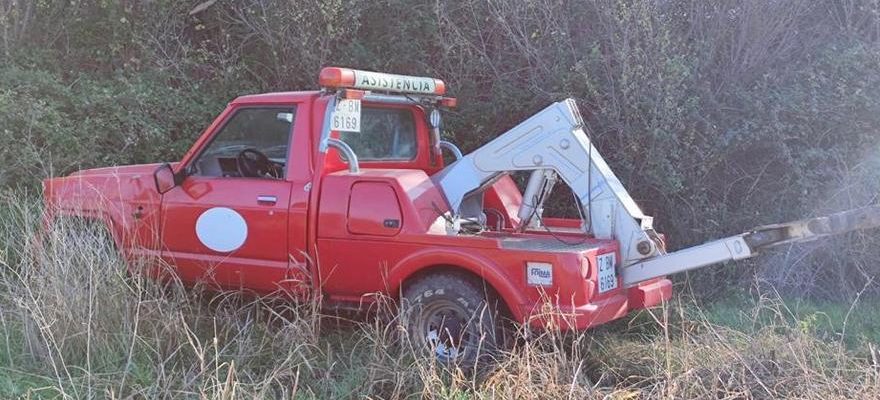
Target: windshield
{"x":387,"y":134}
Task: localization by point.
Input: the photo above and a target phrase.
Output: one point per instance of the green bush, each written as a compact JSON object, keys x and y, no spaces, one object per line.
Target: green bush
{"x":53,"y":126}
{"x":717,"y":116}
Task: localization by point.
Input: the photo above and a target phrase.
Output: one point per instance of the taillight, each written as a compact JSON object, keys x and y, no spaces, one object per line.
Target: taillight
{"x":585,"y":267}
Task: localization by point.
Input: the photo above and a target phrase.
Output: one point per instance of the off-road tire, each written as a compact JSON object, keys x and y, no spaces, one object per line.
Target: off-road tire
{"x":452,"y":293}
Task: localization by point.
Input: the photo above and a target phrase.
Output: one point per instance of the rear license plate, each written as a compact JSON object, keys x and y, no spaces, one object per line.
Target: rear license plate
{"x":607,"y":272}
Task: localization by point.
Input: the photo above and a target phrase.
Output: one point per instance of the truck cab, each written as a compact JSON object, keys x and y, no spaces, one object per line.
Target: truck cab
{"x":343,"y":192}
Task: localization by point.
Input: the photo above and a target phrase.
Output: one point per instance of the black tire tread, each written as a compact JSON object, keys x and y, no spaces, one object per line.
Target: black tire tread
{"x":459,"y":285}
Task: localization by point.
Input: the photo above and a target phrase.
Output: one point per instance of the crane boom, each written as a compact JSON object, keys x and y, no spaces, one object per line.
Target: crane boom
{"x":554,"y":140}
{"x":553,"y":143}
{"x":749,"y":244}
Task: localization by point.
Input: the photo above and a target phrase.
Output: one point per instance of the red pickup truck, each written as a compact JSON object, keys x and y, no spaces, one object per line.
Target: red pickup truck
{"x":342,"y":192}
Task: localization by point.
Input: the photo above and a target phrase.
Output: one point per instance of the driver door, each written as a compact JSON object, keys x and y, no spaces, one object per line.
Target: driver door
{"x":226,"y":225}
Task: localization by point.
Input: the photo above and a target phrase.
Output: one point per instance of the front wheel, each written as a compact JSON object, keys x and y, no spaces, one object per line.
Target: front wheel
{"x":453,"y":317}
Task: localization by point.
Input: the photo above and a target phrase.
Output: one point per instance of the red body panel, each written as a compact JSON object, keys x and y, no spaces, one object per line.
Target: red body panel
{"x":123,"y":198}
{"x":261,"y":263}
{"x":380,"y":216}
{"x":349,"y":235}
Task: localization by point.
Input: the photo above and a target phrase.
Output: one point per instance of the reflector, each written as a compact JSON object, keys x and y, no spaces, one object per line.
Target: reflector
{"x":449,"y":102}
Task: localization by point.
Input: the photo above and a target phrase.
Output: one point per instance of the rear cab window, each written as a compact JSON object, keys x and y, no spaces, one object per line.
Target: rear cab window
{"x":387,"y":135}
{"x":391,"y":135}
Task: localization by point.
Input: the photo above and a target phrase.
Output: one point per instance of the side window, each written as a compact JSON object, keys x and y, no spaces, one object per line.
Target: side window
{"x":253,"y":144}
{"x":387,"y":134}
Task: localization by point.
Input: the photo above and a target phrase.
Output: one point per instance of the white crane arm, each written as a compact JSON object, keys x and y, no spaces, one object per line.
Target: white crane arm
{"x":749,"y":244}
{"x":553,"y":142}
{"x":554,"y":139}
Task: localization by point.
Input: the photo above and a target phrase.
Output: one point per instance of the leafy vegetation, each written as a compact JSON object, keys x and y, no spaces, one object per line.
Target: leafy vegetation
{"x":52,"y":127}
{"x":718,"y":116}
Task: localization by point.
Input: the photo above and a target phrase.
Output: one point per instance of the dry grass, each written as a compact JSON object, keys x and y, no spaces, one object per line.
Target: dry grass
{"x":74,"y":325}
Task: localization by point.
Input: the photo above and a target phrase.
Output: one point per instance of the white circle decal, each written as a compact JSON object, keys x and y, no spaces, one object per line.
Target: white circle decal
{"x":221,"y":229}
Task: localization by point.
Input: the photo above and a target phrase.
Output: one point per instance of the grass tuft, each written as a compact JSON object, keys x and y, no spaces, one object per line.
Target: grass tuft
{"x":74,"y":324}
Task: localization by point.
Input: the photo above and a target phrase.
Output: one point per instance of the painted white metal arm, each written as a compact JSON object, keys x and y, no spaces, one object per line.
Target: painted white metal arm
{"x":750,"y":243}
{"x":718,"y":251}
{"x":554,"y":139}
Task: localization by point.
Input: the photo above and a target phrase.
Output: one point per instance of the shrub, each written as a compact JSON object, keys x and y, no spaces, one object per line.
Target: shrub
{"x":717,"y":117}
{"x":53,"y":127}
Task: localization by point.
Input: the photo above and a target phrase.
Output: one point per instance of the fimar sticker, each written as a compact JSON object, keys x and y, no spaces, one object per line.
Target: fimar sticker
{"x":347,"y":116}
{"x":539,"y":274}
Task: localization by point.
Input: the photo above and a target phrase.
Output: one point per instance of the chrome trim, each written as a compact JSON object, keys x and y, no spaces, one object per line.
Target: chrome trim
{"x":452,"y":148}
{"x":353,"y":165}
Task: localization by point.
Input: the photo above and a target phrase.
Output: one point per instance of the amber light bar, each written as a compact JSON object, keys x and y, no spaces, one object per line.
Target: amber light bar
{"x":335,"y":77}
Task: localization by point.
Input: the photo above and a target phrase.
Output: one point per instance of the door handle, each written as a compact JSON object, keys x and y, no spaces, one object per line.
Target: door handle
{"x":267,"y":199}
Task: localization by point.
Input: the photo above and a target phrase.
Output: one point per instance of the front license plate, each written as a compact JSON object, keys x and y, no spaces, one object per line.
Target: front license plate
{"x":607,"y":272}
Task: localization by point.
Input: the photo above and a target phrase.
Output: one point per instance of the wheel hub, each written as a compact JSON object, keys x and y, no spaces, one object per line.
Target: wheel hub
{"x":446,"y":332}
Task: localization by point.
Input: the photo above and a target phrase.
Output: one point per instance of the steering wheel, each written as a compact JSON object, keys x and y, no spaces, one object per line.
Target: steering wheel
{"x":252,"y":163}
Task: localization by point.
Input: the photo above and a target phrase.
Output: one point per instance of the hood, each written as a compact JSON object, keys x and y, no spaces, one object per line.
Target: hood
{"x":94,"y":190}
{"x":119,"y":170}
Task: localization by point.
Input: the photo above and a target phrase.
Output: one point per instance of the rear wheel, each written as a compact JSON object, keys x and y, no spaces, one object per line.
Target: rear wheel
{"x":451,"y":317}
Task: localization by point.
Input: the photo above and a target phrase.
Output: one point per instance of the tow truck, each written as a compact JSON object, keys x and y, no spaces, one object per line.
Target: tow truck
{"x":343,"y":193}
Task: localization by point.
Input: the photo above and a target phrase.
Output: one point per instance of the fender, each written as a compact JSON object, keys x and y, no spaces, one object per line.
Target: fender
{"x":480,"y":266}
{"x":115,"y":228}
{"x":122,"y":198}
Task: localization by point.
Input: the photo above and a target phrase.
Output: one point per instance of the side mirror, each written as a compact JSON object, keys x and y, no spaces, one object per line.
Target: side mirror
{"x":164,"y":178}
